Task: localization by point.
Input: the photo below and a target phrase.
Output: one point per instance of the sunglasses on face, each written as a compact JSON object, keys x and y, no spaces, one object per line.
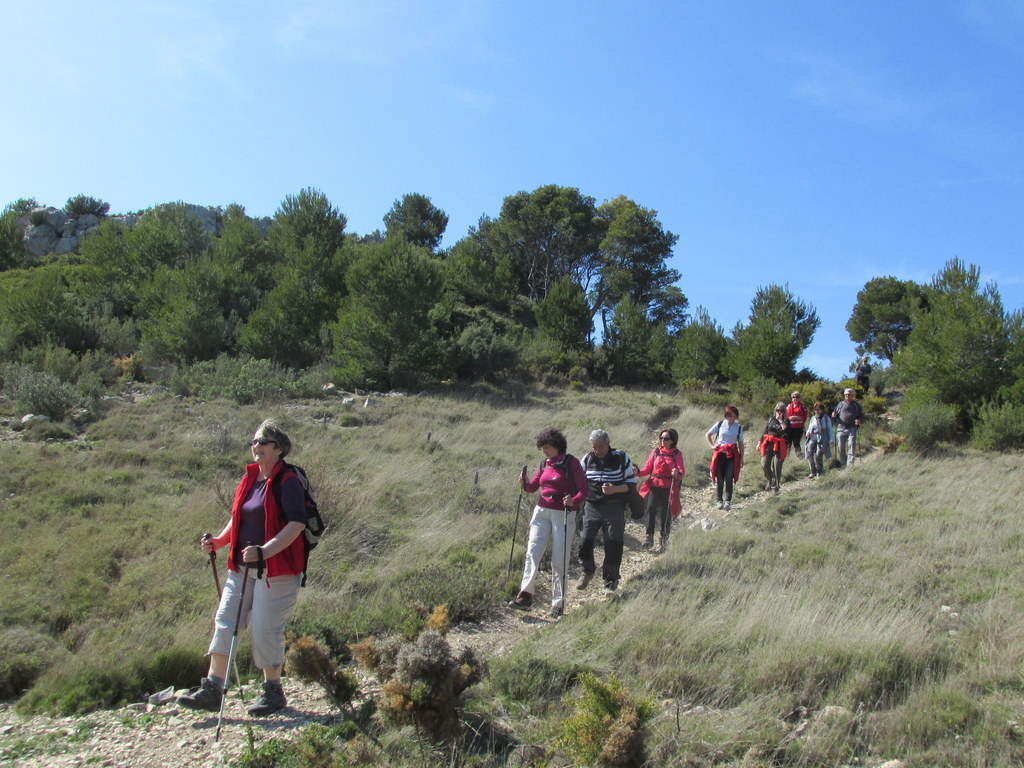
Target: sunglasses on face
{"x":262,"y":441}
{"x":664,"y":437}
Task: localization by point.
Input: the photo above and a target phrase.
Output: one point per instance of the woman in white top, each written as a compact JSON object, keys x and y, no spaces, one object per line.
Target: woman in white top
{"x":726,"y":440}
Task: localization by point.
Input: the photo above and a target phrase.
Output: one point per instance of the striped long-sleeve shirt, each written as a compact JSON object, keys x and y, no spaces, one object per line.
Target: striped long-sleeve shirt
{"x":615,"y":468}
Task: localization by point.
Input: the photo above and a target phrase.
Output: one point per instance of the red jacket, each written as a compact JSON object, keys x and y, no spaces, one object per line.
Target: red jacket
{"x":659,"y":466}
{"x":288,"y":562}
{"x":797,"y":414}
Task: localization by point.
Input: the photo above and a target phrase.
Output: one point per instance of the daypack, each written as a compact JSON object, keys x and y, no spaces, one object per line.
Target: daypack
{"x":315,"y":525}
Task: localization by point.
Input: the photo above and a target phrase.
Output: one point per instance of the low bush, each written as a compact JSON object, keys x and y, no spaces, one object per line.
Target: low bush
{"x":40,"y":393}
{"x":244,"y":380}
{"x":24,"y":655}
{"x":927,"y":424}
{"x":421,"y":681}
{"x":608,"y":726}
{"x":533,"y":681}
{"x":999,"y":427}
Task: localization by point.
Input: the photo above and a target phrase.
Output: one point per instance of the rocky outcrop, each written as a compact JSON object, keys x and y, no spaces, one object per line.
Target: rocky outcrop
{"x":50,"y":230}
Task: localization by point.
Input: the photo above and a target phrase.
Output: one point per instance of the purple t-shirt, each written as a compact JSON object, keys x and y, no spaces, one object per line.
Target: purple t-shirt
{"x":252,"y":529}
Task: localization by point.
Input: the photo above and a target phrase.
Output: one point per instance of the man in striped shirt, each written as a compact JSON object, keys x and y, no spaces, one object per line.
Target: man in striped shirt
{"x":609,"y":473}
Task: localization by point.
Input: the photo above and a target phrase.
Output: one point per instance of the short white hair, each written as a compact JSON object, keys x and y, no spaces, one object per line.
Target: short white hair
{"x":599,"y":436}
{"x":848,"y":391}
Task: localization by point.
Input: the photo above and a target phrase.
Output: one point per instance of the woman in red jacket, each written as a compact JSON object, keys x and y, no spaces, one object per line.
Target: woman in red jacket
{"x":268,"y":517}
{"x":665,"y":469}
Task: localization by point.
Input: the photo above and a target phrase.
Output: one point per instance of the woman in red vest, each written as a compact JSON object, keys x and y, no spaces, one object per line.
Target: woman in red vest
{"x":796,"y":412}
{"x":266,"y":557}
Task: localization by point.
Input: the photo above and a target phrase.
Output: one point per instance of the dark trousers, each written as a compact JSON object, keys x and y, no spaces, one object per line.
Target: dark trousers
{"x":725,"y":470}
{"x":794,"y":434}
{"x":610,"y":519}
{"x":657,"y":512}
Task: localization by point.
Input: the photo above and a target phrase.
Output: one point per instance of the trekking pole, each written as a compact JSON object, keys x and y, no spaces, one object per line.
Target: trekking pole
{"x":216,"y":580}
{"x":231,"y":651}
{"x":565,"y":556}
{"x":515,"y":527}
{"x":213,"y":563}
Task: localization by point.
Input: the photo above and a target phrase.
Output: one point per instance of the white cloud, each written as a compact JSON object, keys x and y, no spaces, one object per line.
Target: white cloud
{"x":854,"y":95}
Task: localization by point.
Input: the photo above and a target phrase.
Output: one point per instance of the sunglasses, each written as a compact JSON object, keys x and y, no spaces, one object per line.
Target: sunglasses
{"x":262,"y":441}
{"x":664,"y":437}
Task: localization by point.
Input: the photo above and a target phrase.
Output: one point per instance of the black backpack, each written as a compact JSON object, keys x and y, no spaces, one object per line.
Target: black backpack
{"x":315,"y":525}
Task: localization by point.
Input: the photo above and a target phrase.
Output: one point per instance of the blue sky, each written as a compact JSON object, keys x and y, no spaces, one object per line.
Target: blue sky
{"x":815,"y":144}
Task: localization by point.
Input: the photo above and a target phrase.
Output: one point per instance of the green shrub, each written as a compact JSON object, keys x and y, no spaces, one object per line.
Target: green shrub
{"x":244,"y":380}
{"x":80,"y":205}
{"x":38,"y":216}
{"x":24,"y":656}
{"x":532,"y":681}
{"x":608,"y":726}
{"x":825,"y":392}
{"x":40,"y":393}
{"x":84,"y":691}
{"x":314,"y":747}
{"x":999,"y":427}
{"x":41,"y":431}
{"x":927,"y":424}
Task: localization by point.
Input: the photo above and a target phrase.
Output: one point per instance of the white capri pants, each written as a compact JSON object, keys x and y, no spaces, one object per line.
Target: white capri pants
{"x":267,"y":606}
{"x":544,"y":525}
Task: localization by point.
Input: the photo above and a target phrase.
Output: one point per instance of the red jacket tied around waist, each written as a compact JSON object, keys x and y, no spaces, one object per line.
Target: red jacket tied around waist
{"x":723,"y":452}
{"x":779,"y":444}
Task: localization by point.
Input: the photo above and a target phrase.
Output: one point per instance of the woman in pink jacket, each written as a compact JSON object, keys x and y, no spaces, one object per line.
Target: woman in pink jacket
{"x":664,"y":471}
{"x":563,"y":488}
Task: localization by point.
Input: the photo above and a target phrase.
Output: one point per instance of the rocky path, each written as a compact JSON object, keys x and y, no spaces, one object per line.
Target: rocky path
{"x":141,"y":736}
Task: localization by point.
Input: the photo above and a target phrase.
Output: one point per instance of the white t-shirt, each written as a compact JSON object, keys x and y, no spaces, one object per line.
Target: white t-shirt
{"x":728,"y":434}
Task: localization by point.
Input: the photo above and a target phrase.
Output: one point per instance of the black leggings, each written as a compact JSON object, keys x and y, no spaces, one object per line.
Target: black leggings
{"x":657,"y":511}
{"x":725,"y":470}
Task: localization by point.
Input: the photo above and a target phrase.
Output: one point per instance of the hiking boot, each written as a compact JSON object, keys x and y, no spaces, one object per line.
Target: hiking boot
{"x":270,"y":701}
{"x":662,"y":544}
{"x":728,"y":505}
{"x":523,"y":601}
{"x":584,"y":580}
{"x":649,"y":541}
{"x":556,"y":611}
{"x":207,"y":696}
{"x":718,"y":504}
{"x":611,"y":585}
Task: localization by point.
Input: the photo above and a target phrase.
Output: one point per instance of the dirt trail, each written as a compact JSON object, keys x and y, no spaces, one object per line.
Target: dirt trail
{"x":170,"y":736}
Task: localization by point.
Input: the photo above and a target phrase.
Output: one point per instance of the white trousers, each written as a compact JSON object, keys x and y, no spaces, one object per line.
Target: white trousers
{"x":544,"y":525}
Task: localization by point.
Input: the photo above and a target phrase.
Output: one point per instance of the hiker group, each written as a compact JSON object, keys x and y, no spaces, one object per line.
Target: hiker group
{"x":275,"y":522}
{"x":595,"y":492}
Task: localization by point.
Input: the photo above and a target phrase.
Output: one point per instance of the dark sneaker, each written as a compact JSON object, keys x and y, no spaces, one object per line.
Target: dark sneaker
{"x":611,"y":585}
{"x":649,"y":541}
{"x":270,"y":701}
{"x":523,"y":601}
{"x":207,"y":696}
{"x":584,"y":580}
{"x":556,"y":611}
